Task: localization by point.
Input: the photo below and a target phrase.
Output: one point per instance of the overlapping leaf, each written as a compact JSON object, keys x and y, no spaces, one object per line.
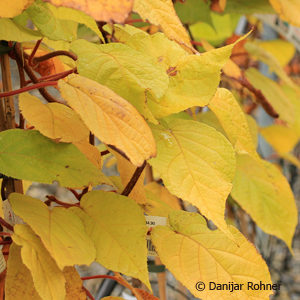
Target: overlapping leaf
{"x":288,"y":10}
{"x":273,"y":93}
{"x":162,"y":13}
{"x":67,"y":247}
{"x":64,"y":13}
{"x":191,"y":158}
{"x":118,"y":223}
{"x":101,"y":10}
{"x":26,"y":154}
{"x":50,"y":26}
{"x":48,"y":279}
{"x":111,"y":118}
{"x":194,"y":253}
{"x":53,"y":120}
{"x":193,"y":82}
{"x":233,"y":120}
{"x":160,"y":202}
{"x":14,"y":9}
{"x":118,"y":67}
{"x":283,"y":139}
{"x":257,"y":49}
{"x":126,"y":170}
{"x":261,"y":189}
{"x":18,"y":281}
{"x":11,"y":31}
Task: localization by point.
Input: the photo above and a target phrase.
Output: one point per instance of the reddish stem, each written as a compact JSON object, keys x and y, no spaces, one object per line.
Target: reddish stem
{"x":58,"y":75}
{"x":5,"y":224}
{"x":74,"y":193}
{"x":196,"y":43}
{"x":104,"y":152}
{"x":135,"y":21}
{"x":100,"y":276}
{"x":5,"y":233}
{"x":52,"y":198}
{"x":28,"y":88}
{"x":32,"y":54}
{"x":88,"y":293}
{"x":53,"y":54}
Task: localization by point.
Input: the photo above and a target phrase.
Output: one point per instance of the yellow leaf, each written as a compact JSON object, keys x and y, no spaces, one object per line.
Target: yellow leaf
{"x":166,"y":53}
{"x":90,"y":151}
{"x":288,"y":10}
{"x":18,"y":281}
{"x":233,"y":120}
{"x":101,"y":10}
{"x":14,"y":8}
{"x":54,"y":120}
{"x":48,"y":279}
{"x":194,"y":253}
{"x":111,"y":118}
{"x":160,"y":202}
{"x":67,"y":247}
{"x":194,"y":82}
{"x":256,"y":49}
{"x":126,"y":170}
{"x":293,"y":95}
{"x":292,"y":159}
{"x":73,"y":285}
{"x":230,"y":68}
{"x":118,"y":223}
{"x":263,"y":192}
{"x":162,"y":13}
{"x":118,"y":66}
{"x":191,"y":158}
{"x":274,"y":94}
{"x":282,"y":139}
{"x":282,"y":50}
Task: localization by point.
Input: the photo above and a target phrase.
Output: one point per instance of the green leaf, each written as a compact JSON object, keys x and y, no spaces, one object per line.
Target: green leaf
{"x":191,"y":158}
{"x":28,"y":155}
{"x":273,"y":93}
{"x":67,"y":247}
{"x":11,"y":31}
{"x":222,"y":28}
{"x":165,"y":52}
{"x":249,"y":7}
{"x":119,"y":67}
{"x":49,"y":25}
{"x":194,"y":253}
{"x":263,"y":192}
{"x":192,"y":11}
{"x":48,"y":279}
{"x":118,"y":223}
{"x":65,"y":13}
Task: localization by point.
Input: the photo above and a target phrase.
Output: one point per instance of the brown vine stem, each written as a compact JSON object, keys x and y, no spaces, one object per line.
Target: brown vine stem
{"x":28,"y":88}
{"x":261,"y":99}
{"x":38,"y":59}
{"x":135,"y":177}
{"x":19,"y":55}
{"x":7,"y":121}
{"x":33,"y":52}
{"x":88,"y":293}
{"x":52,"y":198}
{"x":5,"y":224}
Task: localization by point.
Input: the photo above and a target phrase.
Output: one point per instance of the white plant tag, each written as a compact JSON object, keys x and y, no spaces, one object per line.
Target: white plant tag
{"x":152,"y":221}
